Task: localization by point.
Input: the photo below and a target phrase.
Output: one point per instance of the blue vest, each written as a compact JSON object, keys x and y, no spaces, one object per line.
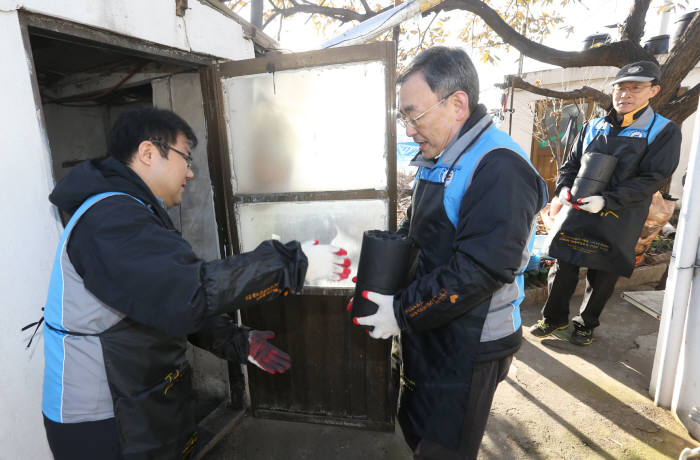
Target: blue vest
{"x":648,"y":125}
{"x":75,"y":383}
{"x":456,"y":186}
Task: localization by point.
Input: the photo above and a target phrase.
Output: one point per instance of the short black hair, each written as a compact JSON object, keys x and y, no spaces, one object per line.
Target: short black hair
{"x":446,"y":70}
{"x":136,"y":126}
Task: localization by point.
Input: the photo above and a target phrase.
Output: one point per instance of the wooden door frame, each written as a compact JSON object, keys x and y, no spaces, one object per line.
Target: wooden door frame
{"x":218,"y":147}
{"x":225,"y":200}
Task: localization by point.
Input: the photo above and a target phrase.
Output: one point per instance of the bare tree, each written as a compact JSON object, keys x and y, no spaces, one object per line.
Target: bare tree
{"x":673,"y":102}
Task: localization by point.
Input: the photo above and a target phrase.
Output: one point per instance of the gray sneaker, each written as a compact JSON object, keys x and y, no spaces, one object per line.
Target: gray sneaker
{"x":542,"y":328}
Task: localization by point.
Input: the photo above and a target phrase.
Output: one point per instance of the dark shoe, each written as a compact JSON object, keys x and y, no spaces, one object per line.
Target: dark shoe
{"x":581,"y":336}
{"x":542,"y":328}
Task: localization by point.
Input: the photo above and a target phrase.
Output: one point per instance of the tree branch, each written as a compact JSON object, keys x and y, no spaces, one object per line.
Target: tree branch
{"x":272,"y":16}
{"x":633,"y":28}
{"x":341,"y":14}
{"x":366,"y":6}
{"x":682,"y":107}
{"x":586,"y":92}
{"x":427,"y":29}
{"x":611,"y":54}
{"x":682,"y":59}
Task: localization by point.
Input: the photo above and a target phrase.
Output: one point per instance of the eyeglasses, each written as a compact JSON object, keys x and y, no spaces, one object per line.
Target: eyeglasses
{"x":413,"y":122}
{"x":166,"y":147}
{"x":634,"y":89}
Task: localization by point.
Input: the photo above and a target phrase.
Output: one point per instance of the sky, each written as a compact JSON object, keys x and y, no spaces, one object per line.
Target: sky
{"x":298,"y":35}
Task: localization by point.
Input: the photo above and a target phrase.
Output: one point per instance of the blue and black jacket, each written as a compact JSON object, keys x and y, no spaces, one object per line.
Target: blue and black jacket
{"x":472,"y":216}
{"x":126,"y":294}
{"x":632,"y":183}
{"x":647,"y":152}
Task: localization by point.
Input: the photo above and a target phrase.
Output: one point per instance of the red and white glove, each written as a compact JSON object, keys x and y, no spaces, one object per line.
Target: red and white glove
{"x":593,"y":204}
{"x":384,"y":321}
{"x":326,"y":262}
{"x":265,"y":355}
{"x":565,"y":196}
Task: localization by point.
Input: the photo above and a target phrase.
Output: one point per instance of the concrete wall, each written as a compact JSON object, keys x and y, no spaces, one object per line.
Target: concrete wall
{"x":29,"y":236}
{"x":595,"y":77}
{"x":75,"y":133}
{"x":79,"y":133}
{"x":201,"y":30}
{"x":31,"y":226}
{"x":195,"y":217}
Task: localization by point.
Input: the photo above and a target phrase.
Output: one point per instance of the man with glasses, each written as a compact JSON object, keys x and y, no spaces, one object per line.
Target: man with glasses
{"x":600,"y":231}
{"x":472,"y":213}
{"x":127,"y":292}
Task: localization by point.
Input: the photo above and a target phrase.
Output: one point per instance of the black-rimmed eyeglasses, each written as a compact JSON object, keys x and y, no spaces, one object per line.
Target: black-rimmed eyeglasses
{"x":167,"y":147}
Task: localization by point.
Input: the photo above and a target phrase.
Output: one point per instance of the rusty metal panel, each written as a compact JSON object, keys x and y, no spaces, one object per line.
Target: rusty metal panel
{"x":339,"y":375}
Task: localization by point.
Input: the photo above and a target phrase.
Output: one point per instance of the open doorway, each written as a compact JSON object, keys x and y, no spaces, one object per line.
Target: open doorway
{"x":83,"y":86}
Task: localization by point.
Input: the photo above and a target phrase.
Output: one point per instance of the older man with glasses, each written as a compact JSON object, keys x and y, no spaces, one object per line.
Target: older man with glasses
{"x":599,"y":230}
{"x":472,"y":214}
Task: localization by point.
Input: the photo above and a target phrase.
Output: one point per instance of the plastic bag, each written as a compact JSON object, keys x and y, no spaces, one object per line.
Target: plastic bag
{"x":660,"y":211}
{"x":549,"y":212}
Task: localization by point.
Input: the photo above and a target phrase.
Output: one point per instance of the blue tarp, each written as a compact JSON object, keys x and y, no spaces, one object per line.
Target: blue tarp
{"x":405,"y":151}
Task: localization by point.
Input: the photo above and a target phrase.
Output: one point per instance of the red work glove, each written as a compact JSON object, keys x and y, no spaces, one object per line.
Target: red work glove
{"x":265,"y":355}
{"x":565,"y":196}
{"x":384,"y":321}
{"x":593,"y":204}
{"x":326,"y":262}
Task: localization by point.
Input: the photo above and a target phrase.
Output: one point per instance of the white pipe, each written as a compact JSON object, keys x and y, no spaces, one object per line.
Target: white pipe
{"x":689,"y":453}
{"x":678,"y":286}
{"x":665,"y":17}
{"x":380,"y":23}
{"x":686,"y":397}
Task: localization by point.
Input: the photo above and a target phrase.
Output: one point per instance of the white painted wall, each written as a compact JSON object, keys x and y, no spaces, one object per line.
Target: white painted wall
{"x":595,"y":77}
{"x":201,"y":30}
{"x":31,"y":227}
{"x":29,"y":236}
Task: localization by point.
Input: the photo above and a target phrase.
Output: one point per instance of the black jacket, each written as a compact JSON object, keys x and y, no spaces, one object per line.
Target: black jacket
{"x":494,"y":223}
{"x":657,"y":165}
{"x":647,"y":152}
{"x":471,"y":215}
{"x":131,"y":257}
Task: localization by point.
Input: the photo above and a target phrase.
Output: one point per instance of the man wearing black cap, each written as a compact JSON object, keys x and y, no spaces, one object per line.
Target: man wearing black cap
{"x":599,"y":230}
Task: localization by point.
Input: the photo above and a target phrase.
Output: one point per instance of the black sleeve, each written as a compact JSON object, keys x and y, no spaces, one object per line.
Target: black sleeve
{"x":569,"y":170}
{"x":269,"y":271}
{"x":135,"y":265}
{"x":222,"y":337}
{"x":495,"y":222}
{"x":655,"y":167}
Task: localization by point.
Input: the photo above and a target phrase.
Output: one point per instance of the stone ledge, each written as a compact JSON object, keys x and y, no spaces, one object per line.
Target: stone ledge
{"x":641,"y":275}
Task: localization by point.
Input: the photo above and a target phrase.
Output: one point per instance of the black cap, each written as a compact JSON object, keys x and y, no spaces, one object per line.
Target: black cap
{"x":638,"y":71}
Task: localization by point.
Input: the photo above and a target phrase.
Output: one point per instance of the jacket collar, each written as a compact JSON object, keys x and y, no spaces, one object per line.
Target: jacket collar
{"x":471,"y":129}
{"x":639,"y":119}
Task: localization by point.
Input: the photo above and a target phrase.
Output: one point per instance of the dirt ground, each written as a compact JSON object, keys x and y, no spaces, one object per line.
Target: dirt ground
{"x":570,"y":402}
{"x":559,"y":401}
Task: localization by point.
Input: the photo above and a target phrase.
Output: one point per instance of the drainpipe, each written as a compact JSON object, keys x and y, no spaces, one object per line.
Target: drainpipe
{"x":376,"y":25}
{"x":675,"y":370}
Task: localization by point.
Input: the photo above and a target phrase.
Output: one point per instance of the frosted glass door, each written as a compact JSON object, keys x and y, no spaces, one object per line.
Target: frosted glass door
{"x":311,"y":146}
{"x":304,"y":130}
